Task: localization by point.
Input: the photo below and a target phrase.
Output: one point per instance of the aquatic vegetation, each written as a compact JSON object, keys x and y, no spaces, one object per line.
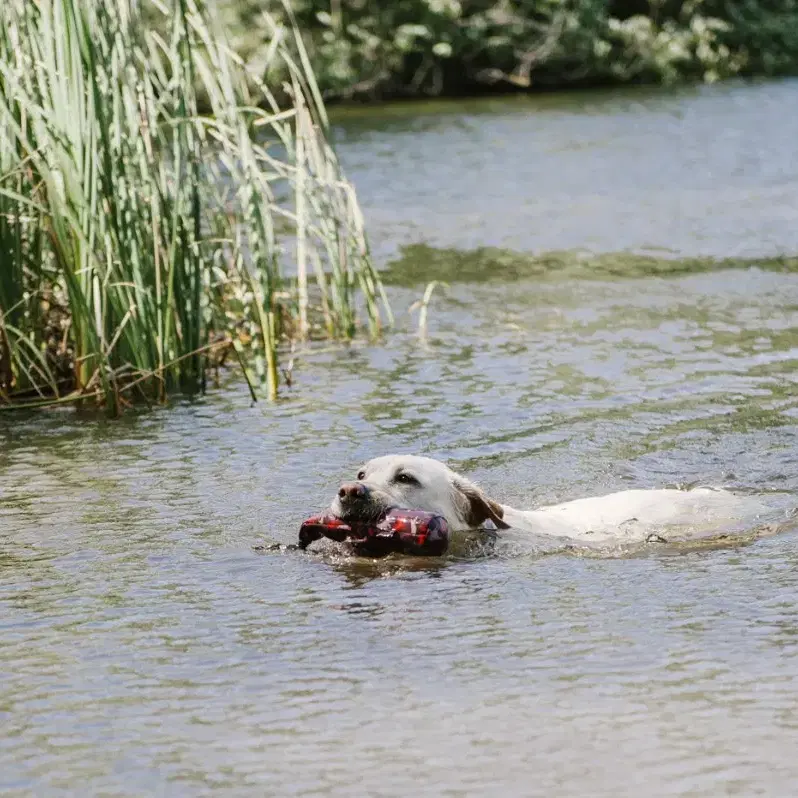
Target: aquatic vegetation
{"x":162,"y":207}
{"x":418,"y":264}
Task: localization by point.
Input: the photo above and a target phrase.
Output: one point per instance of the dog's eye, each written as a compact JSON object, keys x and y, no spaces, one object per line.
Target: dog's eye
{"x":406,"y":479}
{"x":361,"y":474}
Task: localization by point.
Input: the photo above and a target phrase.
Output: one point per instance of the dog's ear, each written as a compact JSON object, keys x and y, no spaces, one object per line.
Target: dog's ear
{"x":478,"y":507}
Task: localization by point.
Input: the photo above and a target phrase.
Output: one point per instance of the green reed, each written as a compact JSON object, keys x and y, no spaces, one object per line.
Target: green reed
{"x":153,"y":196}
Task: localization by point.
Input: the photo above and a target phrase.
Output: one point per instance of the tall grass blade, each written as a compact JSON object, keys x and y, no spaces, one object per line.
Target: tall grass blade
{"x":149,"y":187}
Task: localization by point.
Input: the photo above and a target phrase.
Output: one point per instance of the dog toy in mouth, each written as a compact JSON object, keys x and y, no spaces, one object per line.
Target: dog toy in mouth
{"x":397,"y":531}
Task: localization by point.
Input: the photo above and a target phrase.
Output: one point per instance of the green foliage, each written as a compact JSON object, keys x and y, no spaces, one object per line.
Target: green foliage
{"x":139,"y":237}
{"x":408,"y":47}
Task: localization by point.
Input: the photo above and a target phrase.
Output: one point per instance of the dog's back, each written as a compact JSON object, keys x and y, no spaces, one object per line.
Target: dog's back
{"x":634,"y":516}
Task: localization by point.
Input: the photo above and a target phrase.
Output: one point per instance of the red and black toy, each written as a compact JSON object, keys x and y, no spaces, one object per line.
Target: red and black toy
{"x":397,"y":531}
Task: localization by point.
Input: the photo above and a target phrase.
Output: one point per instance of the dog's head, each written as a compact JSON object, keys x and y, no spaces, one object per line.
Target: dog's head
{"x":418,"y":483}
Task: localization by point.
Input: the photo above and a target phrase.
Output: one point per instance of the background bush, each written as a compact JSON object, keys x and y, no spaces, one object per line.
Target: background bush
{"x":426,"y":47}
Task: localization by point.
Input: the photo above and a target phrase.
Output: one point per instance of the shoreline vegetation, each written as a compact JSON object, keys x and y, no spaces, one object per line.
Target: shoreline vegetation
{"x":144,"y":240}
{"x":368,"y":52}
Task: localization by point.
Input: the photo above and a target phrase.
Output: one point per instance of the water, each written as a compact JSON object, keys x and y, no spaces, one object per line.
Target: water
{"x":705,"y":171}
{"x":145,"y":648}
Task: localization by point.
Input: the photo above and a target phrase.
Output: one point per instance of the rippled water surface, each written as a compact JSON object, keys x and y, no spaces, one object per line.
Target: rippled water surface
{"x":146,"y":648}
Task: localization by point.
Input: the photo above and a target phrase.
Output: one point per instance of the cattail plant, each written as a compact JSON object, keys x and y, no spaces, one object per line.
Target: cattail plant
{"x":160,"y":204}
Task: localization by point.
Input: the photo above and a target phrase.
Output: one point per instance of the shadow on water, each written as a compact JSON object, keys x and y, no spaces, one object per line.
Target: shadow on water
{"x":355,"y":121}
{"x":357,"y":571}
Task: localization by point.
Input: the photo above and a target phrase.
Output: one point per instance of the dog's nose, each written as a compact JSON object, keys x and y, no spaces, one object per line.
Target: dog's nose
{"x":353,"y":490}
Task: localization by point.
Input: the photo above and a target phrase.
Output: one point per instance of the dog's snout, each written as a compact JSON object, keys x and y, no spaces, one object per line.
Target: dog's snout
{"x":353,"y":490}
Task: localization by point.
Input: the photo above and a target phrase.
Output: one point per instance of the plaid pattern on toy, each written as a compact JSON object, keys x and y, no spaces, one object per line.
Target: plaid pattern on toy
{"x":399,"y":531}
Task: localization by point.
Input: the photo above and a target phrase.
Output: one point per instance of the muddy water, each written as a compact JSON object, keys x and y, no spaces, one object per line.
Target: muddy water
{"x":145,"y":648}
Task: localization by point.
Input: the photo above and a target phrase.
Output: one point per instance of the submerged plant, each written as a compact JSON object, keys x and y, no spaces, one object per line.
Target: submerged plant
{"x":149,"y":186}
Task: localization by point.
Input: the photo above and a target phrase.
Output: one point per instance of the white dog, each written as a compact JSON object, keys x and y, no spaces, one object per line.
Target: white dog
{"x":627,"y":517}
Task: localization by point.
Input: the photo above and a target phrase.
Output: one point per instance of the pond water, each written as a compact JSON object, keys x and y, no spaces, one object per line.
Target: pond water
{"x":146,"y":648}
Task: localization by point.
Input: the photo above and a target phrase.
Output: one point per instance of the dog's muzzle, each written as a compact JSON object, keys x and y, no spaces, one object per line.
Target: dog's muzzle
{"x":356,"y":502}
{"x":352,"y":491}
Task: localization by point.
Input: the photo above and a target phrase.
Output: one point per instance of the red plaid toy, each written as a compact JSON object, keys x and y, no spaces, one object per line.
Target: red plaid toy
{"x":398,"y":531}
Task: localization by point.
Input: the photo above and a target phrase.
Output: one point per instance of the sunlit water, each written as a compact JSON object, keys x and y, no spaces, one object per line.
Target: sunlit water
{"x":146,"y":648}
